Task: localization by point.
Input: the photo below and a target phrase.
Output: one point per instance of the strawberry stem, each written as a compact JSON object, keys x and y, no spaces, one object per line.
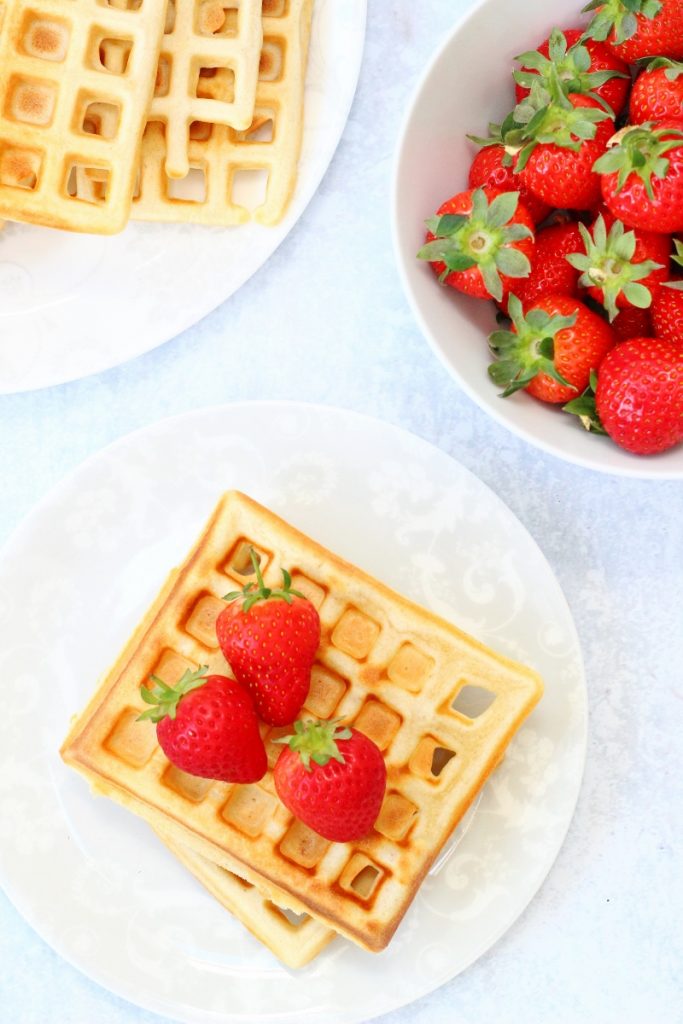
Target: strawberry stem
{"x":608,"y":264}
{"x":165,"y":698}
{"x":317,"y":741}
{"x":483,"y":238}
{"x":528,"y":350}
{"x":253,"y":592}
{"x":639,"y":150}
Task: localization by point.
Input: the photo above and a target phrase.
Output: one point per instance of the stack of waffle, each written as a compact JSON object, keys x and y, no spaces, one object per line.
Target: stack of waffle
{"x":396,"y":672}
{"x":165,"y":110}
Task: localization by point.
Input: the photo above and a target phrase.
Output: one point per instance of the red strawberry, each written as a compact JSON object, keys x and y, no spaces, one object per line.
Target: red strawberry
{"x":642,"y":177}
{"x":551,"y":273}
{"x":632,"y":322}
{"x":667,"y":306}
{"x":492,"y":169}
{"x":635,"y":29}
{"x":332,"y":778}
{"x":479,"y":246}
{"x":559,"y":146}
{"x":639,"y":395}
{"x":667,"y":313}
{"x":207,"y":726}
{"x":269,"y":638}
{"x":551,"y":350}
{"x":582,"y":66}
{"x":657,"y":93}
{"x":621,"y":268}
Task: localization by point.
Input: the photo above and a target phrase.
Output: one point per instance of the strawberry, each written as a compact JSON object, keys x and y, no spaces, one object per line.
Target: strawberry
{"x":631,"y":322}
{"x":657,"y":93}
{"x":551,"y":273}
{"x":559,"y":140}
{"x":582,"y":66}
{"x":551,"y":350}
{"x":667,"y":305}
{"x":269,"y":638}
{"x":634,"y":29}
{"x":642,"y":176}
{"x":332,"y":778}
{"x":207,"y":726}
{"x":667,"y":313}
{"x":621,"y":268}
{"x":492,"y":169}
{"x":639,"y":395}
{"x":479,"y":246}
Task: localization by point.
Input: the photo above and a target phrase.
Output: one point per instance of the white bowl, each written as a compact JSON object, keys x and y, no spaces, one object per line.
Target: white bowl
{"x":466,"y":85}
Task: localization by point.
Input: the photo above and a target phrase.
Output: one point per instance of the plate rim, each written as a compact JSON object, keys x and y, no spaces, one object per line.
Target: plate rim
{"x":296,"y":211}
{"x":639,"y":467}
{"x":110,"y":981}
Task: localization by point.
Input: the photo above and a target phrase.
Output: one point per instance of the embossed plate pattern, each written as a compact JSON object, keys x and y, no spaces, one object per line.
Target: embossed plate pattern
{"x":92,"y":878}
{"x":73,"y":305}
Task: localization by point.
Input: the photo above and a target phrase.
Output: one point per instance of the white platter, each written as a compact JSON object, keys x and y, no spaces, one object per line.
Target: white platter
{"x":72,"y":305}
{"x":432,"y":161}
{"x":92,"y":879}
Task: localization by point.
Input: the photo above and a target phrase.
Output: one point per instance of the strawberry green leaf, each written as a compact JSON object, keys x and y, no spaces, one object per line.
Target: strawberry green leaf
{"x":165,"y":699}
{"x":678,"y":257}
{"x":564,"y":71}
{"x":485,"y":238}
{"x":317,"y":741}
{"x":674,"y":68}
{"x":584,"y":407}
{"x":608,"y":265}
{"x":639,"y":150}
{"x":618,"y":17}
{"x":523,"y":353}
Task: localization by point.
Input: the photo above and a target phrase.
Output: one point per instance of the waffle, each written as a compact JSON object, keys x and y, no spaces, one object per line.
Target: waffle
{"x":55,"y":88}
{"x":235,"y":174}
{"x":295,"y":939}
{"x":215,"y":40}
{"x":440,"y":706}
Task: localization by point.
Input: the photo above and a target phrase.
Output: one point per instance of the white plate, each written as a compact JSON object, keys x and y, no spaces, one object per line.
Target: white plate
{"x":432,"y":162}
{"x":71,"y":305}
{"x":92,"y":878}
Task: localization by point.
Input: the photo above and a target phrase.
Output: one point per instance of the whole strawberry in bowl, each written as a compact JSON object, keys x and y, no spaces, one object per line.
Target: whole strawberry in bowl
{"x":269,"y":636}
{"x":547,"y":126}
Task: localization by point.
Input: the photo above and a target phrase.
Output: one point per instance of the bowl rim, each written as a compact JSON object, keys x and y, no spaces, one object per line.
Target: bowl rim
{"x":633,"y":466}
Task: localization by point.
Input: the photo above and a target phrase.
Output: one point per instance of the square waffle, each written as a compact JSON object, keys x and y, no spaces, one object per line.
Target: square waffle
{"x":230,"y":167}
{"x":295,"y":939}
{"x":215,"y":40}
{"x":440,"y":706}
{"x":55,"y":90}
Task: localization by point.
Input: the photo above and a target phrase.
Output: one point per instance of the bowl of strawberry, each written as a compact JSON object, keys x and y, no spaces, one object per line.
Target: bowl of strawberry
{"x":538,"y":224}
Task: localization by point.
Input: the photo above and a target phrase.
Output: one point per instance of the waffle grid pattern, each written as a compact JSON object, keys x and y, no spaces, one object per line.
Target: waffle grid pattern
{"x":222,"y":159}
{"x":55,"y":88}
{"x":390,"y":668}
{"x":208,"y":69}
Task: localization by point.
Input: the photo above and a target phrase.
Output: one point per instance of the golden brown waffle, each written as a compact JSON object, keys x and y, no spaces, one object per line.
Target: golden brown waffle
{"x":215,"y":40}
{"x":236,"y":174}
{"x":55,"y":90}
{"x":440,"y":706}
{"x":295,"y":939}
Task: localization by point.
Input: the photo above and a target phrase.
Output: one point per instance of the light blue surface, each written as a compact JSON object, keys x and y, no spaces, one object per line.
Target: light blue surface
{"x":325,"y":321}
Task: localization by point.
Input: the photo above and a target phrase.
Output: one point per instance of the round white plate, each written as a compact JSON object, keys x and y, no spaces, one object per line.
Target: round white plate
{"x":432,"y":161}
{"x":92,"y":878}
{"x":71,"y":305}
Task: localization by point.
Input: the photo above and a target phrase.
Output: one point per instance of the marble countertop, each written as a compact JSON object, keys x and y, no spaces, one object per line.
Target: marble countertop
{"x":325,"y":321}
